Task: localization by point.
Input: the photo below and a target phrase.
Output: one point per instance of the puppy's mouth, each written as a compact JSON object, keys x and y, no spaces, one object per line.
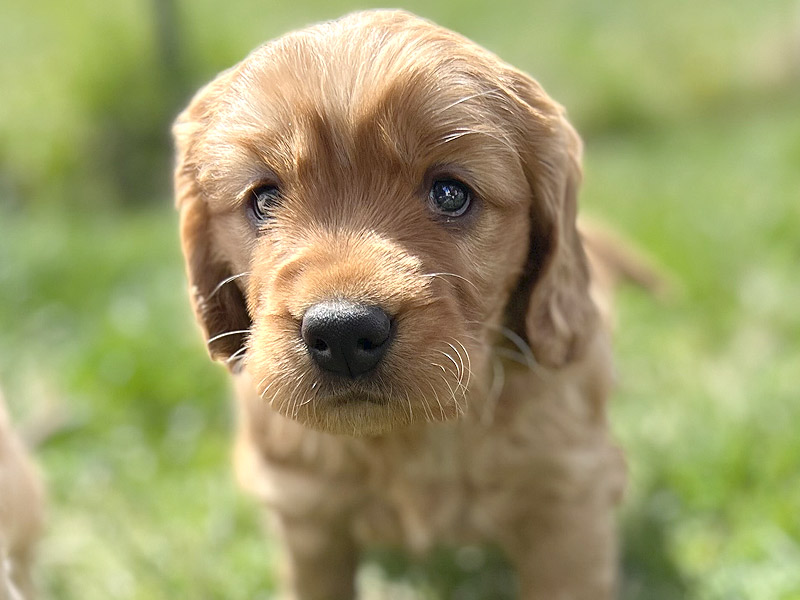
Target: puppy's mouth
{"x":391,"y":396}
{"x":340,"y":400}
{"x":334,"y":392}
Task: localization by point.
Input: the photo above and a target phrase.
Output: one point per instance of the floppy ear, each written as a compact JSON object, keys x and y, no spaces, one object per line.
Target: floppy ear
{"x":551,"y":307}
{"x":219,"y":307}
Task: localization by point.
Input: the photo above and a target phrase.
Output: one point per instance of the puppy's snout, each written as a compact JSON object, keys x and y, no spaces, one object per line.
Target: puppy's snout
{"x":346,"y":338}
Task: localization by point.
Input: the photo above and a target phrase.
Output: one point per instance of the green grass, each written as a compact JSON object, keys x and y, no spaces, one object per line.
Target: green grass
{"x":142,"y":504}
{"x":707,"y":408}
{"x":692,"y":128}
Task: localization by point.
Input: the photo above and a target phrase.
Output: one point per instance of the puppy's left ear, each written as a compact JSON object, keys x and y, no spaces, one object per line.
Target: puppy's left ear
{"x":218,"y":306}
{"x":551,"y":307}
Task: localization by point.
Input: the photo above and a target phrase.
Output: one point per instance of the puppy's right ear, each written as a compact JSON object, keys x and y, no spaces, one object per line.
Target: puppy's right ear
{"x":218,"y":303}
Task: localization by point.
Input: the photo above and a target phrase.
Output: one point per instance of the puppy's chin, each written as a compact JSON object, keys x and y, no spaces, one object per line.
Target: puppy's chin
{"x":355,"y":415}
{"x":359,"y":412}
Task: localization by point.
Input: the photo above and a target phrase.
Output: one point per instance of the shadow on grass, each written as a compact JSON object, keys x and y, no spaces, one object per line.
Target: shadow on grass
{"x":648,"y":571}
{"x":471,"y":573}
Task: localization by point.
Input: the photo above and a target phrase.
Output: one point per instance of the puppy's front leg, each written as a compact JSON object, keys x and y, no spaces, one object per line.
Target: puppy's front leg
{"x":569,"y":553}
{"x":322,"y":559}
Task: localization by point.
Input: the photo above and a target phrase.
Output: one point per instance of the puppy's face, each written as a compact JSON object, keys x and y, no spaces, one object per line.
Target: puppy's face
{"x":364,"y":205}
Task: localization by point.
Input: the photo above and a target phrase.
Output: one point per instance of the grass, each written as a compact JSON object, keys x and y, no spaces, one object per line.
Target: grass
{"x":692,"y":134}
{"x":707,"y":406}
{"x":142,"y":502}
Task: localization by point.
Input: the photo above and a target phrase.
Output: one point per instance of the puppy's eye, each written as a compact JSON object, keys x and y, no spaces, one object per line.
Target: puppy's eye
{"x":449,"y":197}
{"x":262,"y":200}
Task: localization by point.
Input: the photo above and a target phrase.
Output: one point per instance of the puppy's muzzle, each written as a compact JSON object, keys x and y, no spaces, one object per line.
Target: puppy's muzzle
{"x":345,"y":338}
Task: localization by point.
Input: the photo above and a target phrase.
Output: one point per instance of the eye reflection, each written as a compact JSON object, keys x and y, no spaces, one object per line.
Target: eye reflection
{"x":449,"y":197}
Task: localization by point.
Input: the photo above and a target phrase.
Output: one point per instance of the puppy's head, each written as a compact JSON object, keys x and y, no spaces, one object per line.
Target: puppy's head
{"x":364,"y":205}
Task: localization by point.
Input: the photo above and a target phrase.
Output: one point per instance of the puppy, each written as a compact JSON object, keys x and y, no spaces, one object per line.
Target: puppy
{"x":378,"y":219}
{"x":21,"y":508}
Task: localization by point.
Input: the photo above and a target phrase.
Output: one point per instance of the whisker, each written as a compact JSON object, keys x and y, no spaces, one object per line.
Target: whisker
{"x":469,"y":362}
{"x":444,"y":274}
{"x":226,"y":334}
{"x":466,"y":368}
{"x":311,"y":396}
{"x":235,"y":355}
{"x":273,"y":398}
{"x":410,"y":408}
{"x":439,"y":402}
{"x":463,"y":370}
{"x":459,"y":133}
{"x":295,"y":397}
{"x":314,"y":395}
{"x":468,"y":98}
{"x":460,"y":371}
{"x":226,"y":281}
{"x":266,"y":389}
{"x":435,"y":364}
{"x":453,"y":360}
{"x":529,"y":360}
{"x":260,"y":383}
{"x":296,"y":401}
{"x":524,"y":348}
{"x":498,"y":383}
{"x":425,"y":404}
{"x":453,"y":394}
{"x":460,"y":359}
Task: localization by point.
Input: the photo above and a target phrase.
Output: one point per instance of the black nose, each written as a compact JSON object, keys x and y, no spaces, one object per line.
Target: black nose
{"x":346,"y":338}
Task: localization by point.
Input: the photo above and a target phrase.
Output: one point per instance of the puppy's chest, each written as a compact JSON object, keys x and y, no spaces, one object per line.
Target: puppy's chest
{"x":429,"y":487}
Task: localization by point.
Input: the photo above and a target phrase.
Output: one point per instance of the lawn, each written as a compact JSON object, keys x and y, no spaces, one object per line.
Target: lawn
{"x":691,"y":118}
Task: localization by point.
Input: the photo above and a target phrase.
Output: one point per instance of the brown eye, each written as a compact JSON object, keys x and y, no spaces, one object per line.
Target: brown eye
{"x":449,"y":197}
{"x":262,"y":200}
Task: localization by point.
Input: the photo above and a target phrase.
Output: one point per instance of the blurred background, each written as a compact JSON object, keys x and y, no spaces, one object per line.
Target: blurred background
{"x":691,"y":116}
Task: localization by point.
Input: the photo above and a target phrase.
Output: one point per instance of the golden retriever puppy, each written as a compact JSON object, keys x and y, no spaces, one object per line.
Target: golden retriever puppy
{"x":379,"y":224}
{"x":21,"y":508}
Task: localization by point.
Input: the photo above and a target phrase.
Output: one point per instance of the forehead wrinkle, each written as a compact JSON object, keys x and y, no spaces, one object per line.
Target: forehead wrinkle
{"x":324,"y":141}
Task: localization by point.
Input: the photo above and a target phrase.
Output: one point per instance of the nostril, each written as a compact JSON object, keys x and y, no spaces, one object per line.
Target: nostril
{"x":365,"y":344}
{"x":320,"y":345}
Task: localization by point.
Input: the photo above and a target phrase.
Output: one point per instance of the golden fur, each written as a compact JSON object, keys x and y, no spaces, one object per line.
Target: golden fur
{"x":21,"y":508}
{"x":485,"y":422}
